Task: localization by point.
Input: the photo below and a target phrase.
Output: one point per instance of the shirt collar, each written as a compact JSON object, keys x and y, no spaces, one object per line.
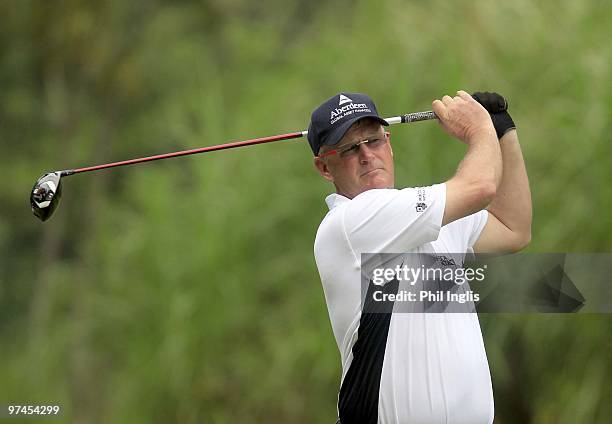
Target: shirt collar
{"x":335,"y":199}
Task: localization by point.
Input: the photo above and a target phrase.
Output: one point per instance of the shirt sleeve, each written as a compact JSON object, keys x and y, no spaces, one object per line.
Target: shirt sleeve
{"x":479,"y":220}
{"x":466,"y":230}
{"x":393,"y":221}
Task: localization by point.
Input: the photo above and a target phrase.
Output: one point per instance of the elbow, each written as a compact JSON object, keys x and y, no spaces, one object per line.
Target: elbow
{"x":520,"y":241}
{"x":523,"y":241}
{"x":524,"y":236}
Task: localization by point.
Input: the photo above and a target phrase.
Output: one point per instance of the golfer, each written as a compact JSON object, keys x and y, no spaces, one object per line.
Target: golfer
{"x":413,"y":367}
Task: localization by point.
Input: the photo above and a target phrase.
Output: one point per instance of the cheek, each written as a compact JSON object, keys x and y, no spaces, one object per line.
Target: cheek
{"x":388,"y":160}
{"x":348,"y":174}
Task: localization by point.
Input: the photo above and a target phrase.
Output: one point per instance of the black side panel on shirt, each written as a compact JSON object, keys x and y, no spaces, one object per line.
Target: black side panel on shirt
{"x":358,"y":400}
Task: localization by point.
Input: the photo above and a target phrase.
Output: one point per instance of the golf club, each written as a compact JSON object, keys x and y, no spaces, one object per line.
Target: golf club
{"x":47,"y":191}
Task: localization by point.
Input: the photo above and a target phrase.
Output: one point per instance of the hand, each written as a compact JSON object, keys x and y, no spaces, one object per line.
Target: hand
{"x":462,"y":116}
{"x":497,"y":106}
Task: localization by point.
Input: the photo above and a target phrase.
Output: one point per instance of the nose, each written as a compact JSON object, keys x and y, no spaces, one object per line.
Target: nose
{"x":365,"y":153}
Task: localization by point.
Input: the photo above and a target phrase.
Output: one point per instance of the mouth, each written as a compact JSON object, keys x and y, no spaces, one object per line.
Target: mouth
{"x":370,"y":172}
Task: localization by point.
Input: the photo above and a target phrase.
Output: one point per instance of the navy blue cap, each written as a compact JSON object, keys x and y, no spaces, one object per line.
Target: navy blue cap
{"x":330,"y":121}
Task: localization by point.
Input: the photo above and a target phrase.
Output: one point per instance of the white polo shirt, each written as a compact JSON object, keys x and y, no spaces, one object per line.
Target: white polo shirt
{"x":401,"y":367}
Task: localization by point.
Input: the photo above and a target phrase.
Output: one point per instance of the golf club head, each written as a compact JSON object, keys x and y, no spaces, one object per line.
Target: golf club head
{"x":45,"y":195}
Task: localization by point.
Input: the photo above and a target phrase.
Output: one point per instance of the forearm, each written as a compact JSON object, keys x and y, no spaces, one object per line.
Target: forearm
{"x":482,"y":161}
{"x":512,"y":202}
{"x":475,"y":183}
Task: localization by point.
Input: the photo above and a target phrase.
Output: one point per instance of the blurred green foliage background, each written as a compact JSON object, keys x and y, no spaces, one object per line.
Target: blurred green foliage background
{"x":186,"y":290}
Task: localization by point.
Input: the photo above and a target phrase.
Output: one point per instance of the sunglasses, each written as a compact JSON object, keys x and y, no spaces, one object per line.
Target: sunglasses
{"x":348,"y":150}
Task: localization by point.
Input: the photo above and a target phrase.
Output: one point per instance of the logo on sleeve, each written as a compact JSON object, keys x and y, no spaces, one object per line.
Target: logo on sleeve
{"x":421,"y":199}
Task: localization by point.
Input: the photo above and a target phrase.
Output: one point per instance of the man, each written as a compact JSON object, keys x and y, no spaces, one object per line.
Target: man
{"x":409,"y":367}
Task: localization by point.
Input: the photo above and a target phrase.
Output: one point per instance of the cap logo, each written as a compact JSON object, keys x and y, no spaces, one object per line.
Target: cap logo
{"x":343,"y":100}
{"x":350,"y":109}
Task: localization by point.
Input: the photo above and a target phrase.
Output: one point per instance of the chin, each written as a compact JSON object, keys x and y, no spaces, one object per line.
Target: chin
{"x":377,"y":181}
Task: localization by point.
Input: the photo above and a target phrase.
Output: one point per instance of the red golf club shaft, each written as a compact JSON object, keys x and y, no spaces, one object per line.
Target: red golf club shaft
{"x":410,"y":117}
{"x":232,"y":145}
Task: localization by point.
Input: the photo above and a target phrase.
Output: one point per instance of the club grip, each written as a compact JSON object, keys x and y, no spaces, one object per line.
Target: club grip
{"x":418,"y":116}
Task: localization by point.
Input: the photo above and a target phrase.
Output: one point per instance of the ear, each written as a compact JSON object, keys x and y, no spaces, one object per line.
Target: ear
{"x":323,"y":169}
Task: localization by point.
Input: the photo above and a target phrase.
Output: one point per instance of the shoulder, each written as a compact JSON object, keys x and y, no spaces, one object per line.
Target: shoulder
{"x":406,"y":200}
